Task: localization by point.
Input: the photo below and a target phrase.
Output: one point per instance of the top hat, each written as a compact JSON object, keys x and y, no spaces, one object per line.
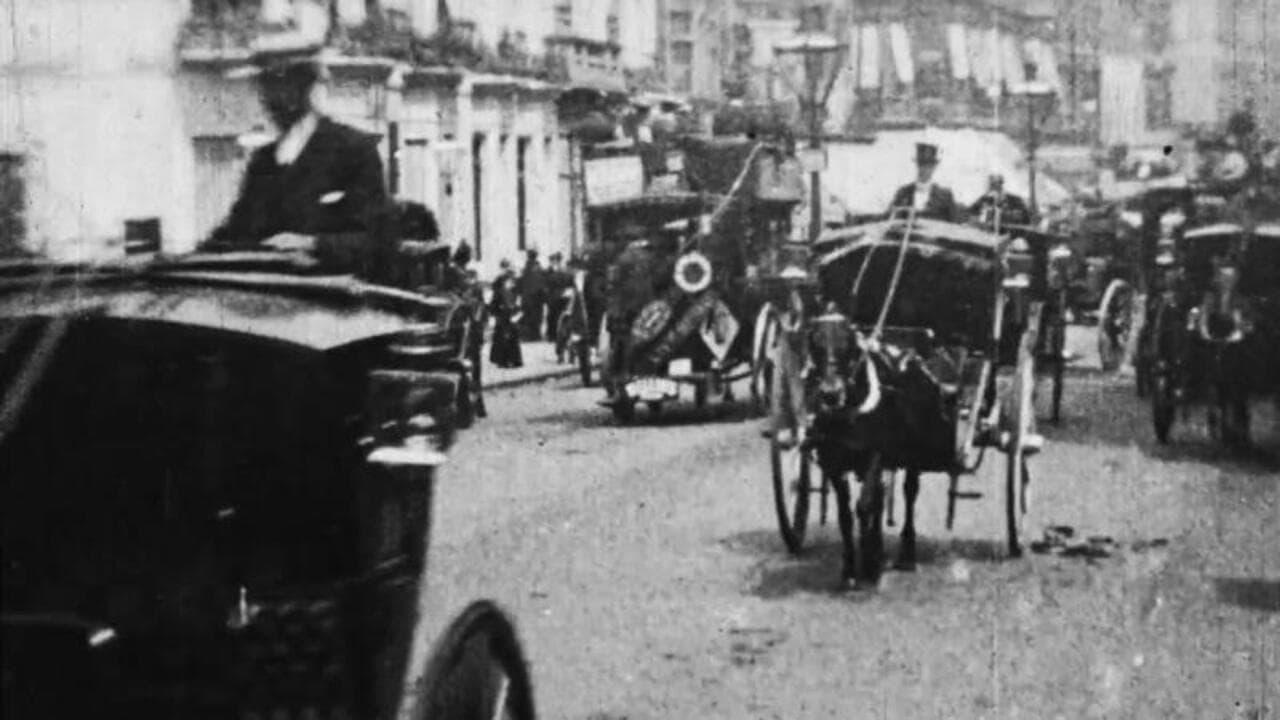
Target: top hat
{"x":926,"y":154}
{"x":283,"y":52}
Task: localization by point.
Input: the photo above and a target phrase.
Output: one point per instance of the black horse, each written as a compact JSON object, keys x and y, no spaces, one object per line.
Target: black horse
{"x":877,"y":407}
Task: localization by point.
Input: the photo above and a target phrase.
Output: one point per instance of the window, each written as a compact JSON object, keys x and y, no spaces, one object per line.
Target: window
{"x":682,"y":80}
{"x":564,"y":18}
{"x":477,"y":190}
{"x":615,"y":29}
{"x":13,"y":202}
{"x":681,"y":22}
{"x":682,"y":53}
{"x":522,"y":206}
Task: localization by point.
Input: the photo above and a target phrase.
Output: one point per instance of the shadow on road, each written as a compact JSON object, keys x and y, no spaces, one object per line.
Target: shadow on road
{"x":817,"y":570}
{"x":1249,"y":593}
{"x":670,"y":415}
{"x":1110,"y":413}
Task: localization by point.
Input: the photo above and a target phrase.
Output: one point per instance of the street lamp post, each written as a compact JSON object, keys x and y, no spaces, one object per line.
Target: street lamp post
{"x":1035,"y":93}
{"x":819,"y":54}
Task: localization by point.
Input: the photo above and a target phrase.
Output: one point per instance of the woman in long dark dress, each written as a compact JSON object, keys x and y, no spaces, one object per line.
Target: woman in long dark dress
{"x":504,"y":352}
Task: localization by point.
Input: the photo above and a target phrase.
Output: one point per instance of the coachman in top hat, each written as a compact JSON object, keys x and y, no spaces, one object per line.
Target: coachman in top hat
{"x":929,"y":199}
{"x":318,"y":188}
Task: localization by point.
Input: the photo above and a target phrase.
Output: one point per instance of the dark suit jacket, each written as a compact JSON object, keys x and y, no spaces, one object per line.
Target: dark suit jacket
{"x":333,"y":190}
{"x":940,"y":206}
{"x":1014,"y":210}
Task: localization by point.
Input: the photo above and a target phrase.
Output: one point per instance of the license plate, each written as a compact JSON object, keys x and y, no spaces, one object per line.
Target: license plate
{"x":652,"y":389}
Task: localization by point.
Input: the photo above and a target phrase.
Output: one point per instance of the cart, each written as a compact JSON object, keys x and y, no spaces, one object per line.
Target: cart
{"x":1215,"y":329}
{"x":239,"y":457}
{"x":681,"y":307}
{"x":906,"y":369}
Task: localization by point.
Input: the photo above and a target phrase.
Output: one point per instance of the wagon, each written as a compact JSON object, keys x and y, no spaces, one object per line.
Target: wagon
{"x":1215,"y":329}
{"x":684,"y":309}
{"x":905,"y":368}
{"x":218,"y":492}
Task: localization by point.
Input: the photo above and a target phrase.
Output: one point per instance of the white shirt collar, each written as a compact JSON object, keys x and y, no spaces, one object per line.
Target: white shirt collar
{"x":922,"y":191}
{"x":290,"y":145}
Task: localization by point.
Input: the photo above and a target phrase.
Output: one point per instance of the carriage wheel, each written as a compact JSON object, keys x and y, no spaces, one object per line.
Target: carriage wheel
{"x":1114,"y":315}
{"x":792,"y":465}
{"x":477,"y":670}
{"x":584,"y":362}
{"x":1163,"y":405}
{"x":1059,"y":348}
{"x":762,"y":358}
{"x":1018,"y":425}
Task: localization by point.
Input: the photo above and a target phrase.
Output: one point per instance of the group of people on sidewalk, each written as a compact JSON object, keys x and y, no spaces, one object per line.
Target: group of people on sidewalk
{"x":526,"y":306}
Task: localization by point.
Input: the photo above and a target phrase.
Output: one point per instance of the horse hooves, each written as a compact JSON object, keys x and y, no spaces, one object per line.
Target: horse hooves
{"x":865,"y":584}
{"x":904,"y":565}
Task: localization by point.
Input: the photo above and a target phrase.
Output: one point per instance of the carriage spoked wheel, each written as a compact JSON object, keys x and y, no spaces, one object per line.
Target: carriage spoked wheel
{"x":1163,"y":395}
{"x":764,"y":357}
{"x":1115,"y":314}
{"x":1058,"y":346}
{"x":477,"y":670}
{"x":1018,"y":421}
{"x":793,"y":467}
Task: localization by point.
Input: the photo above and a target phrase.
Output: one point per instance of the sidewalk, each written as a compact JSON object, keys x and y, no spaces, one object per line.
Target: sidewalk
{"x":539,"y":364}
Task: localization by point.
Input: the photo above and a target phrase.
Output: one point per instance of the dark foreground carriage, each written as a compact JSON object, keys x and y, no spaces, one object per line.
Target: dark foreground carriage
{"x":218,"y":485}
{"x":1214,"y":333}
{"x":907,"y":368}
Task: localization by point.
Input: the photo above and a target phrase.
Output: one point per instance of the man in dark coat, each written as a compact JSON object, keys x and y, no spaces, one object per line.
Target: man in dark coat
{"x":319,"y":187}
{"x":533,"y":297}
{"x":1013,"y":209}
{"x":929,"y":199}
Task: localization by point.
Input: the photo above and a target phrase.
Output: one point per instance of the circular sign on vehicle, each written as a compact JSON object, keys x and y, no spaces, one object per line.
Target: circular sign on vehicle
{"x":693,"y":272}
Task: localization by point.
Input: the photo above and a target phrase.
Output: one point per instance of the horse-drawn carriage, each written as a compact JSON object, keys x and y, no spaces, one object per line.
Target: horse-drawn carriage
{"x":905,"y":366}
{"x":680,"y":304}
{"x":218,"y":483}
{"x":1214,"y":333}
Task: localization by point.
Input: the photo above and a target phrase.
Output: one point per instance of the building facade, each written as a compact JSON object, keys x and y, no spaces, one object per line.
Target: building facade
{"x":465,"y":97}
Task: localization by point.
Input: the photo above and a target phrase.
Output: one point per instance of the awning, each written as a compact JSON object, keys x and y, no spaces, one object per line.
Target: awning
{"x":901,"y":46}
{"x":959,"y":51}
{"x":981,"y":67}
{"x":1011,"y":61}
{"x":869,"y":59}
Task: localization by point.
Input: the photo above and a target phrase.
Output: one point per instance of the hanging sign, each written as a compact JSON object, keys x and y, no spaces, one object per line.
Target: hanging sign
{"x":612,"y":179}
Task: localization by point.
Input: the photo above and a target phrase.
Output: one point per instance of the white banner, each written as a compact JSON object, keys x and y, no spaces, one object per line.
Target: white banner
{"x":611,"y":179}
{"x":959,"y":51}
{"x":902,"y":60}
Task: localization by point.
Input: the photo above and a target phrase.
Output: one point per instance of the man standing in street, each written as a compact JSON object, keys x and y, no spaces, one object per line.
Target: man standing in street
{"x":929,"y":199}
{"x":558,"y":281}
{"x":1013,"y":209}
{"x":533,"y":297}
{"x":318,"y":188}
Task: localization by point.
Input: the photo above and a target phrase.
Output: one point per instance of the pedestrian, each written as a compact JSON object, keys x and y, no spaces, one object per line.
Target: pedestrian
{"x":505,"y":307}
{"x":318,"y":189}
{"x":929,"y":199}
{"x":1013,"y":209}
{"x":533,"y":297}
{"x":559,"y":282}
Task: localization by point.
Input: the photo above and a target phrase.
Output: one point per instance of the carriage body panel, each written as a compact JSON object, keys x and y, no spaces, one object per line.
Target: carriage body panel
{"x":218,"y":491}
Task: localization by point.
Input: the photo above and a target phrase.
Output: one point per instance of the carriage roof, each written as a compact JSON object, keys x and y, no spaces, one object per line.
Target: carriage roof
{"x":1232,"y":230}
{"x":962,"y":240}
{"x":243,"y":295}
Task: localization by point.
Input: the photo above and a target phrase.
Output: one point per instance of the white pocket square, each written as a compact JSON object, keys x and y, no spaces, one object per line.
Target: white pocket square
{"x":331,"y":198}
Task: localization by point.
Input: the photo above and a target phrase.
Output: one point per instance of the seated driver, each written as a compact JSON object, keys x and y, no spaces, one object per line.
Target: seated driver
{"x":318,"y":187}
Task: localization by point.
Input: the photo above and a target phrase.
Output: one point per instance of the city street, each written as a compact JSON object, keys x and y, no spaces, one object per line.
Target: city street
{"x":646,"y":573}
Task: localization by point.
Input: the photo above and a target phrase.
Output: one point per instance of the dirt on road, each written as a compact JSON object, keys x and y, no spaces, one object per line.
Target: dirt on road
{"x":645,"y":570}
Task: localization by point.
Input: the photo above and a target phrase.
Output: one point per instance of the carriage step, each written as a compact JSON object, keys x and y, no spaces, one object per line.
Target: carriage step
{"x":959,"y":495}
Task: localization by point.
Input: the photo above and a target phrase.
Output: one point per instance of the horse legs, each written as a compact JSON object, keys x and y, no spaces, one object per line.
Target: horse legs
{"x":907,"y":548}
{"x":870,"y":516}
{"x":840,"y":483}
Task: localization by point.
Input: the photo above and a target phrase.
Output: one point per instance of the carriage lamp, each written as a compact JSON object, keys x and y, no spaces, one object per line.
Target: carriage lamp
{"x":818,"y":56}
